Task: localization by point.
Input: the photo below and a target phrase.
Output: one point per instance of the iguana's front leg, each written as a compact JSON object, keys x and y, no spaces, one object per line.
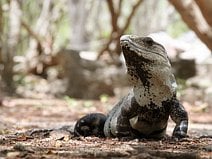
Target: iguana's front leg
{"x":128,"y":110}
{"x":180,"y":117}
{"x":123,"y":126}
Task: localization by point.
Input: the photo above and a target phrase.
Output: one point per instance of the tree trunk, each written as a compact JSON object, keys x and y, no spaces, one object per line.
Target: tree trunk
{"x":78,"y":18}
{"x":10,"y":50}
{"x":41,"y":29}
{"x":1,"y":33}
{"x":34,"y":61}
{"x":192,"y":16}
{"x":206,"y":8}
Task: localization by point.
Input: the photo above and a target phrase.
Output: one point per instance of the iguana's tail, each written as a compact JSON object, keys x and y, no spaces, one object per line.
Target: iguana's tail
{"x":90,"y":125}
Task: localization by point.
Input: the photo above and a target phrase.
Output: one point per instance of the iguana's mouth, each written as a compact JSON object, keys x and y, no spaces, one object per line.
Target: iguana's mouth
{"x":126,"y":42}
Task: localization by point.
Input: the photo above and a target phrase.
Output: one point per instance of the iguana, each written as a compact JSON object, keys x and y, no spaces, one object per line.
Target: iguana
{"x":145,"y":111}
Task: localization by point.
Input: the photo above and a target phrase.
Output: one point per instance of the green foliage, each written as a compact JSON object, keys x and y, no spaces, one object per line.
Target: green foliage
{"x":31,"y":10}
{"x":73,"y":102}
{"x":177,"y":28}
{"x":87,"y":104}
{"x":19,"y":79}
{"x":63,"y":32}
{"x":4,"y":29}
{"x":105,"y":34}
{"x":181,"y":86}
{"x":104,"y":98}
{"x":70,"y":101}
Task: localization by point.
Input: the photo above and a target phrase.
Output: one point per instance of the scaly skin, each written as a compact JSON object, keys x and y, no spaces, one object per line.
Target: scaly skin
{"x":144,"y":112}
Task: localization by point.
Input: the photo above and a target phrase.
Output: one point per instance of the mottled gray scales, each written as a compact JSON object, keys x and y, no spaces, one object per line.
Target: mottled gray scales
{"x":144,"y":112}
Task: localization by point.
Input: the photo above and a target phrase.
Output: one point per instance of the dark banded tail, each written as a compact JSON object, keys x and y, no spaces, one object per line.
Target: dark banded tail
{"x":90,"y":125}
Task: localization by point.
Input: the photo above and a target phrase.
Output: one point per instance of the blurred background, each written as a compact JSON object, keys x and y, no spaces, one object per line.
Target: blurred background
{"x":61,"y":59}
{"x":70,"y":48}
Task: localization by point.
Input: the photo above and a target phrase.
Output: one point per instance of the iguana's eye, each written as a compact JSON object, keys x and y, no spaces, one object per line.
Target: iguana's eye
{"x":148,"y":41}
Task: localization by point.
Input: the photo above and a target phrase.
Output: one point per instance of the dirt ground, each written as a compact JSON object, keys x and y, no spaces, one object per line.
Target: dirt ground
{"x":35,"y":128}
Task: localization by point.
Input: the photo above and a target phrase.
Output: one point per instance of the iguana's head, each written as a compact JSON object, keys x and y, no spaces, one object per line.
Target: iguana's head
{"x":148,"y":68}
